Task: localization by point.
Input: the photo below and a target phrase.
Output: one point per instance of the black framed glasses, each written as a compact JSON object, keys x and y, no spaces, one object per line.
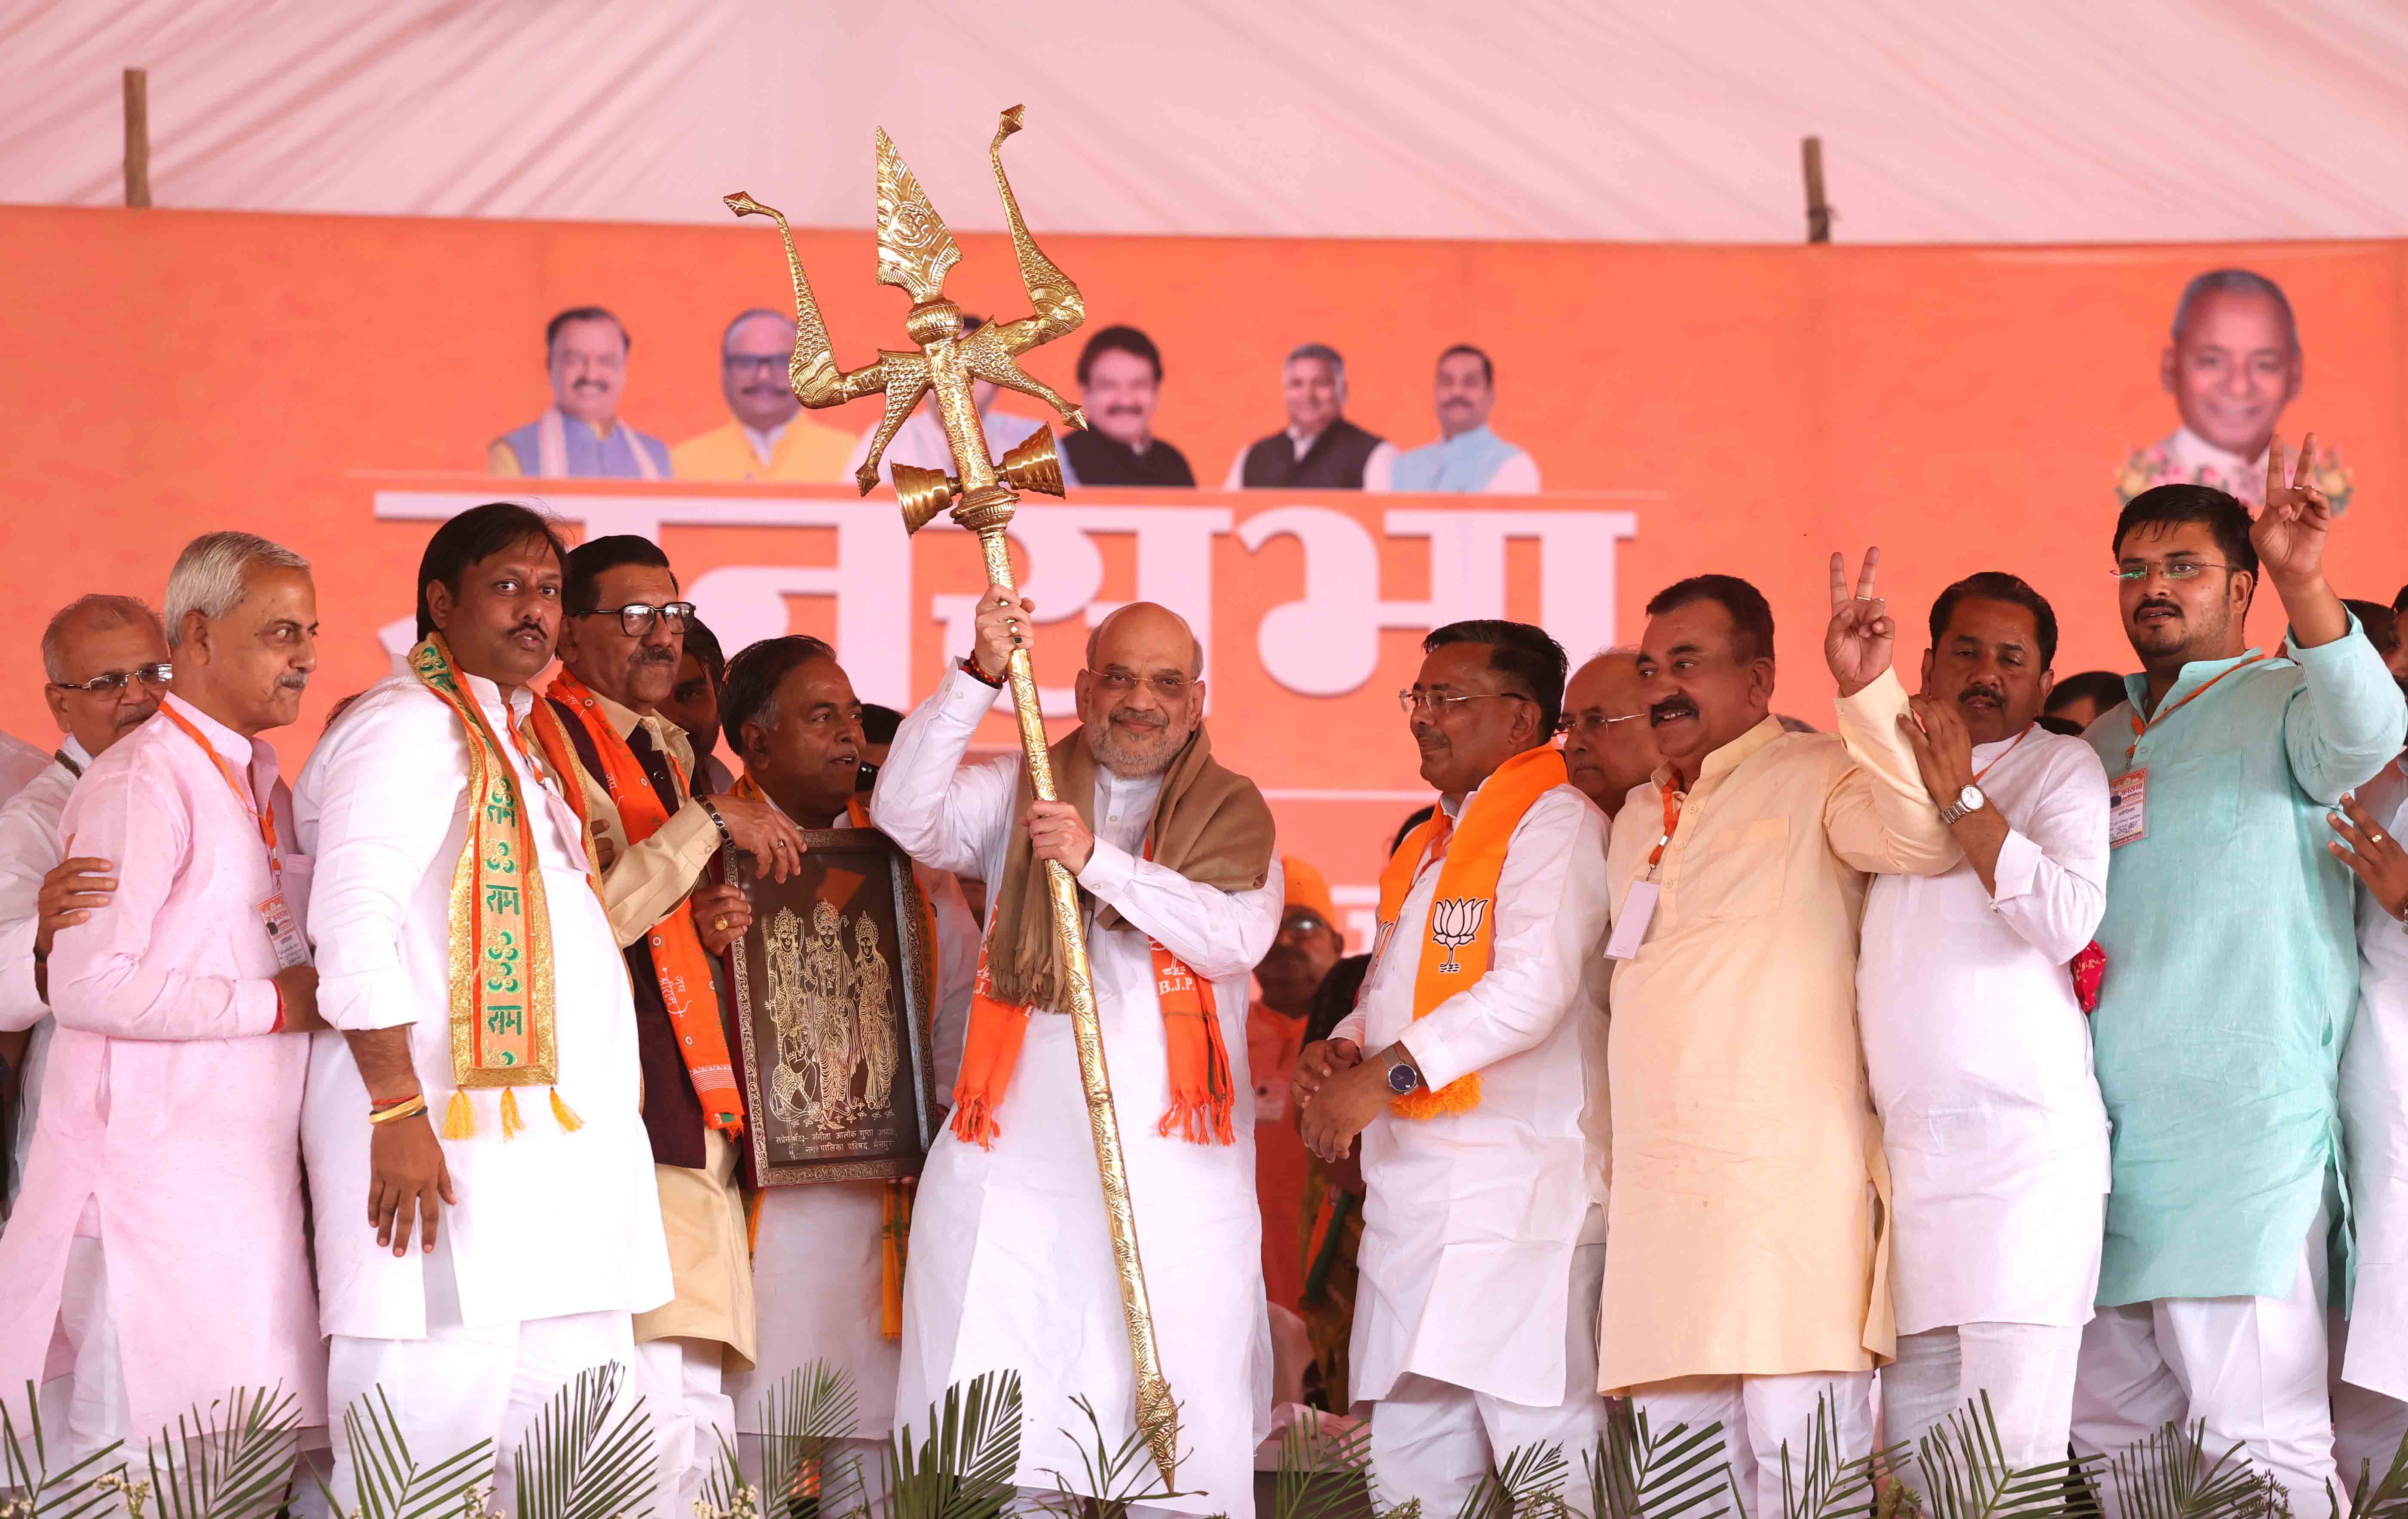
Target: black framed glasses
{"x":113,"y":682}
{"x":636,"y":618}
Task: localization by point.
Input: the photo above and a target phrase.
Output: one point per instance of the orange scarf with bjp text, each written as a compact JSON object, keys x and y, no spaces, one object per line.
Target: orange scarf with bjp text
{"x":678,"y":962}
{"x":1469,"y":853}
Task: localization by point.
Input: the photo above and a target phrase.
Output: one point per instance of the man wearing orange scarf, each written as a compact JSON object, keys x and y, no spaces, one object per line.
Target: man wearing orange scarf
{"x":1474,"y":1068}
{"x":828,"y":1257}
{"x":1012,"y":1261}
{"x":621,"y":641}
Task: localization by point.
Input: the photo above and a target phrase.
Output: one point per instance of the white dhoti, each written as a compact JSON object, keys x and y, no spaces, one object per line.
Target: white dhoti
{"x":1762,"y":1415}
{"x":2254,"y":1369}
{"x":2024,"y":1369}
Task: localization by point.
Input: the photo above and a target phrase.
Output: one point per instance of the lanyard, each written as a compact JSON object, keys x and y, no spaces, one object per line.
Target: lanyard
{"x":249,"y":804}
{"x":2140,"y":729}
{"x":1672,"y":800}
{"x":2009,"y":750}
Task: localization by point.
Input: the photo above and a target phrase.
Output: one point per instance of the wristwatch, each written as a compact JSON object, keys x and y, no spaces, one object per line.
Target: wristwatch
{"x":1968,"y":801}
{"x":1404,"y":1077}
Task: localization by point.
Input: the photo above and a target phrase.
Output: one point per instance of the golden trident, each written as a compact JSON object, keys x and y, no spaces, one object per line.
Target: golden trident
{"x":914,"y":252}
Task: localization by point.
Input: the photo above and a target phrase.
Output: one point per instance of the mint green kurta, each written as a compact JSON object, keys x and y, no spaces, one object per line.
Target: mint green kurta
{"x":2232,"y":966}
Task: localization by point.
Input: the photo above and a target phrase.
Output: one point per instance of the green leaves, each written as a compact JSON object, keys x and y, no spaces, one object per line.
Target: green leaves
{"x":964,"y":1469}
{"x":1322,"y":1472}
{"x":234,"y":1466}
{"x":72,"y":1491}
{"x":388,"y":1481}
{"x":1635,"y":1473}
{"x":2170,"y":1475}
{"x":587,"y":1456}
{"x":1965,"y":1473}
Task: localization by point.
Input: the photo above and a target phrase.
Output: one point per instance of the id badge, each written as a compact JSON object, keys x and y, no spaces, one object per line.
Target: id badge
{"x":284,"y":932}
{"x":1630,"y":928}
{"x":2127,"y":808}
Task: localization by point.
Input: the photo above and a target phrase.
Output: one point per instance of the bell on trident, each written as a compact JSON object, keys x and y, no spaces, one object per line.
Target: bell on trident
{"x":1032,"y":464}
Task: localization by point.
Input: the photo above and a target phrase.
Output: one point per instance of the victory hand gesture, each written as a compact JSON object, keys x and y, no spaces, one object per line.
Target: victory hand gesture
{"x":2290,"y":531}
{"x":1857,"y":645}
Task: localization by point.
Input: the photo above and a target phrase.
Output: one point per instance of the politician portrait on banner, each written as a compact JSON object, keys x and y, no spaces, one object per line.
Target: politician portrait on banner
{"x":835,"y":1033}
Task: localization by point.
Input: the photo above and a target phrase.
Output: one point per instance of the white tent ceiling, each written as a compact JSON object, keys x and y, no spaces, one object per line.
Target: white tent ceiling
{"x":1943,"y":121}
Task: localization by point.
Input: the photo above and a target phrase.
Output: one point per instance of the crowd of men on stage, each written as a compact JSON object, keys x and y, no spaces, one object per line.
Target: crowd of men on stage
{"x":1698,"y":1060}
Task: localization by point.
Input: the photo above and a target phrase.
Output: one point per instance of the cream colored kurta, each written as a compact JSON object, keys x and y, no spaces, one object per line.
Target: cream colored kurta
{"x":1744,"y":1236}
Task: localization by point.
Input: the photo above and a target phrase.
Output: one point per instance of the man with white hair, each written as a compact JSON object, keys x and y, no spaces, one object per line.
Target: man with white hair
{"x":1011,"y":1258}
{"x":158,"y":1249}
{"x":766,"y":436}
{"x":105,"y":658}
{"x":1320,"y":449}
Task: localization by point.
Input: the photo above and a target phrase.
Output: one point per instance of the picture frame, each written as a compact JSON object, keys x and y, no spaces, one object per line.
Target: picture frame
{"x":839,"y":939}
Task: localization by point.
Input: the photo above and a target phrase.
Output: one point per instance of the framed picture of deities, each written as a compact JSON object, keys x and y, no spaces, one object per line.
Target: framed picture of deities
{"x":834,"y":1036}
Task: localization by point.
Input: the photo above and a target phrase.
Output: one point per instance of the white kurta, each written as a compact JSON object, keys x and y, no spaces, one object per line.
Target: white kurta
{"x":1473,"y":1219}
{"x":546,"y":1223}
{"x":29,"y":849}
{"x":1011,"y":1264}
{"x":2374,"y":1128}
{"x":818,"y":1250}
{"x":20,"y":762}
{"x":1978,"y":1055}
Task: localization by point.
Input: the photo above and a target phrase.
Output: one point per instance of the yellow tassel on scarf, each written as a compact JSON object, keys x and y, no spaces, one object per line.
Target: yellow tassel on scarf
{"x":512,"y":1125}
{"x":459,"y":1117}
{"x":565,"y":1117}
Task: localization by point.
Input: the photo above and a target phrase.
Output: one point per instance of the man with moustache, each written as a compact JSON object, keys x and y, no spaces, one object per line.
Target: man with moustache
{"x":2232,"y":963}
{"x":1320,"y":451}
{"x":159,"y":1242}
{"x":829,"y":1257}
{"x":1467,"y":455}
{"x":450,"y":794}
{"x":1306,"y":945}
{"x":105,"y":658}
{"x":1470,"y":1067}
{"x":766,"y":436}
{"x":1120,"y":383}
{"x":1609,"y":746}
{"x":1011,"y":1258}
{"x":1975,"y":1043}
{"x":585,"y":353}
{"x":1748,"y":1278}
{"x":621,"y":644}
{"x":2232,"y":365}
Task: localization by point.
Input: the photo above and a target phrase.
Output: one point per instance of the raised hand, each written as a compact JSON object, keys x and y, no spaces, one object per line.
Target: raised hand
{"x":1857,"y":644}
{"x":2291,"y":530}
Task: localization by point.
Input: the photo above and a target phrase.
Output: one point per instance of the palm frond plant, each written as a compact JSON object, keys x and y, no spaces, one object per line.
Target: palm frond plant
{"x":964,"y":1469}
{"x":802,"y":1418}
{"x":1116,"y":1476}
{"x":388,"y":1482}
{"x":239,"y":1466}
{"x":2382,"y":1498}
{"x":589,"y":1454}
{"x":1964,"y":1472}
{"x":1527,"y":1483}
{"x":1635,"y":1473}
{"x":1324,"y":1473}
{"x":2170,"y":1475}
{"x":37,"y":1492}
{"x":1825,"y":1485}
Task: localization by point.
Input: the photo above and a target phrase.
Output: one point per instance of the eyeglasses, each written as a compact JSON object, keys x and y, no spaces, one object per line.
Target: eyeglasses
{"x":2180,"y":570}
{"x":1438,"y":704}
{"x":1121,"y":683}
{"x":636,"y":618}
{"x":1303,"y":923}
{"x":1590,"y":724}
{"x":117,"y":681}
{"x":767,"y":363}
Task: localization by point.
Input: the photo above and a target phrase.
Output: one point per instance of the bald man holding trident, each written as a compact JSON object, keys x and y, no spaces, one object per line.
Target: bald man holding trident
{"x":1011,"y":1256}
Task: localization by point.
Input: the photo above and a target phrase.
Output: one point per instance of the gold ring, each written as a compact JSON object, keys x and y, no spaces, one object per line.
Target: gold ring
{"x":2374,"y":838}
{"x":719,"y":924}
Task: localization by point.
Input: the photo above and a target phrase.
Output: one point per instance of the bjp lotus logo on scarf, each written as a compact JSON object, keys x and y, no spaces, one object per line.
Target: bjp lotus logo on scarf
{"x":1456,"y":923}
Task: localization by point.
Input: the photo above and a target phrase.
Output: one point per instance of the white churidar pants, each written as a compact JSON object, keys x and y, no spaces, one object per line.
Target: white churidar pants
{"x":690,"y":1417}
{"x":1761,"y":1415}
{"x":2252,"y":1367}
{"x":2027,"y":1368}
{"x":84,"y":1393}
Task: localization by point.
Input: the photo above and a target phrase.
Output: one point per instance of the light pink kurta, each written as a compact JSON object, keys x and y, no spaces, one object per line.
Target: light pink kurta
{"x":168,"y":1105}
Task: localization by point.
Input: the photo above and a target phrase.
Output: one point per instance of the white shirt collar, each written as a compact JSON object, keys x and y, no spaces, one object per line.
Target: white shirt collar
{"x":1303,"y":441}
{"x":74,"y":750}
{"x":489,"y":695}
{"x":763,"y":444}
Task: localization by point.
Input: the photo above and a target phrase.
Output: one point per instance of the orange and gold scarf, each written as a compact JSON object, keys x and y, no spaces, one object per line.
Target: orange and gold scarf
{"x":895,"y":1220}
{"x":1470,"y":857}
{"x":678,"y":962}
{"x":502,"y":1033}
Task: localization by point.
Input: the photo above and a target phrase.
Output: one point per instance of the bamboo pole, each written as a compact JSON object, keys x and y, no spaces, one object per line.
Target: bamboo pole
{"x":1818,"y":210}
{"x":138,"y":136}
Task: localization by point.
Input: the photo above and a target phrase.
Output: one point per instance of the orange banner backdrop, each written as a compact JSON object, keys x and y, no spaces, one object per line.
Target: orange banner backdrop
{"x":328,"y":382}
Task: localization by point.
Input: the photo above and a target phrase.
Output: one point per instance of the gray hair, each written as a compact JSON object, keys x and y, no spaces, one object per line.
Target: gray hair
{"x":96,"y":612}
{"x":2238,"y":282}
{"x":209,"y":574}
{"x":1322,"y":351}
{"x":742,"y":317}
